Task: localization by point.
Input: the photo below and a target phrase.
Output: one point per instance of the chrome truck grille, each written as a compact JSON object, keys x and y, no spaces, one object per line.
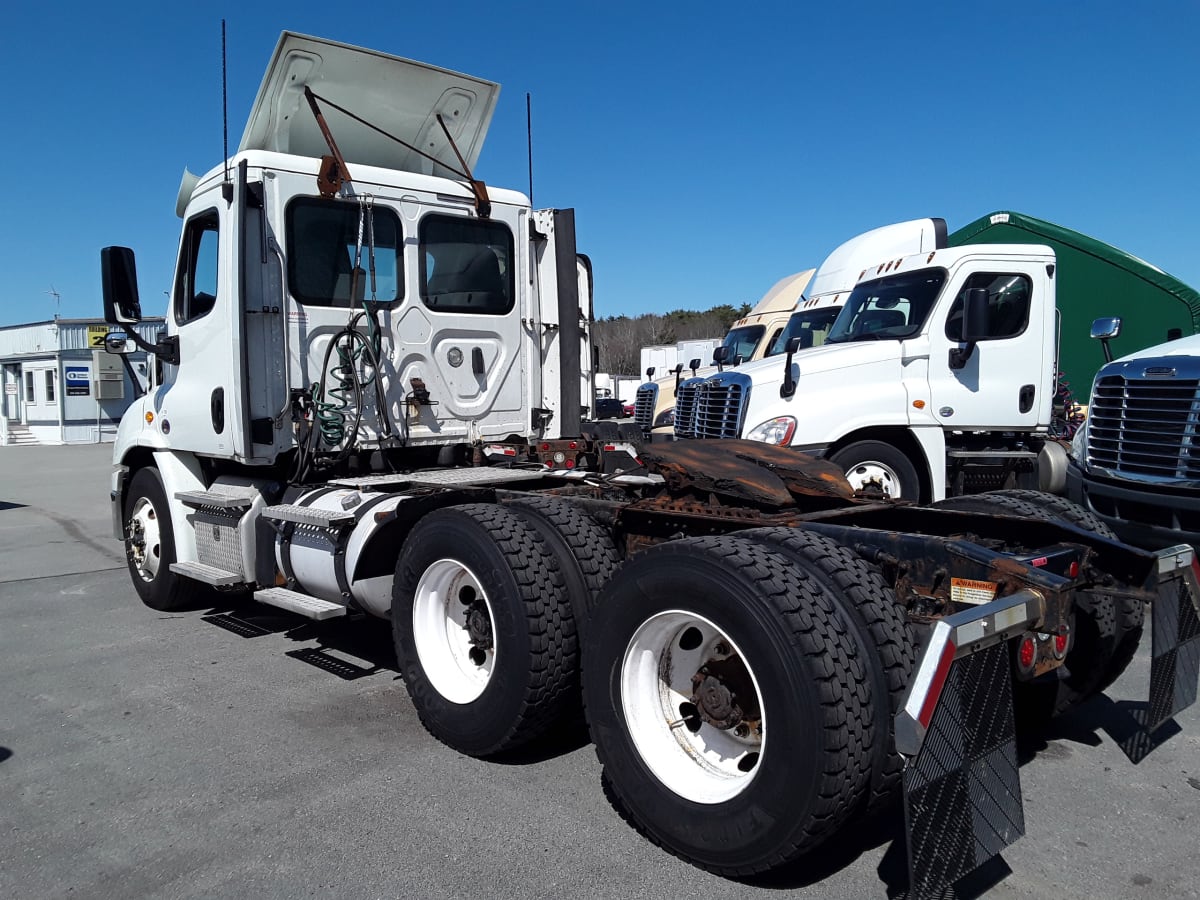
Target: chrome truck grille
{"x":712,"y":407}
{"x":643,"y":406}
{"x":1142,"y":423}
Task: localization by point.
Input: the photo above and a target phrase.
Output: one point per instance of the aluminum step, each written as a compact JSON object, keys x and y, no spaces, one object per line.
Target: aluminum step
{"x":198,"y":571}
{"x":222,"y":497}
{"x":306,"y":515}
{"x":301,"y":604}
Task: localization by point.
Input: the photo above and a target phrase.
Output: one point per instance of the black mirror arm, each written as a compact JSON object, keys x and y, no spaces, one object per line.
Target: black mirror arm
{"x":960,"y":355}
{"x":167,"y":349}
{"x":788,"y":388}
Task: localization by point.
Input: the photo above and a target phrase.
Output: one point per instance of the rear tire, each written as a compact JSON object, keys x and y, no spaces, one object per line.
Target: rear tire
{"x":761,"y":636}
{"x":586,"y":552}
{"x":881,"y":626}
{"x":484,"y":637}
{"x":150,"y":547}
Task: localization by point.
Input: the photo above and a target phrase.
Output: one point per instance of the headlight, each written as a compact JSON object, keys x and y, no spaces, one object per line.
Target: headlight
{"x":666,"y":418}
{"x":774,"y":431}
{"x":1079,"y":444}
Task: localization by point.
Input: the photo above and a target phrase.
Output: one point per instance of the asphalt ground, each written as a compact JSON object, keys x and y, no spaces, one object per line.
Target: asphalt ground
{"x":145,"y":754}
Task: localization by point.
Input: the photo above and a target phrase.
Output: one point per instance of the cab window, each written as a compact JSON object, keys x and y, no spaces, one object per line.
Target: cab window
{"x":1008,"y":305}
{"x":323,"y":241}
{"x":466,"y":265}
{"x":196,"y":276}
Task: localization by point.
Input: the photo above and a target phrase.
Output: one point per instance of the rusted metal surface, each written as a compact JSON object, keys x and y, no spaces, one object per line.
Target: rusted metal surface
{"x":747,"y":471}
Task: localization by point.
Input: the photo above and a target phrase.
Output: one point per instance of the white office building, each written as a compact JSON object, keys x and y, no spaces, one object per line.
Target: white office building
{"x":61,"y":386}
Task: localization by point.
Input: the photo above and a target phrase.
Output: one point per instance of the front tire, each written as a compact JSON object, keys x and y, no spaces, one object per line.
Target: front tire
{"x":150,"y":547}
{"x":484,"y":632}
{"x":876,"y":464}
{"x":727,"y":704}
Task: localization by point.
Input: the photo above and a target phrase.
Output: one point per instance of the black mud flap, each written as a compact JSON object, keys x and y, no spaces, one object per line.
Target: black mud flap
{"x":962,"y":787}
{"x":1175,"y":637}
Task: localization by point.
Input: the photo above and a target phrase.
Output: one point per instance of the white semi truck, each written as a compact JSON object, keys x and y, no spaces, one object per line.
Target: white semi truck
{"x":368,"y":406}
{"x":801,"y":307}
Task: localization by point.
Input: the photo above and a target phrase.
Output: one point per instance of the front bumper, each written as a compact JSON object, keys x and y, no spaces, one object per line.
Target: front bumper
{"x":1140,"y":514}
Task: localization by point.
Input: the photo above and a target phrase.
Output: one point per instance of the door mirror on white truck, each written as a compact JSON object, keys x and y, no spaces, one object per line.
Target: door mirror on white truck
{"x":720,"y":355}
{"x":974,"y":325}
{"x":1104,"y":330}
{"x":118,"y":274}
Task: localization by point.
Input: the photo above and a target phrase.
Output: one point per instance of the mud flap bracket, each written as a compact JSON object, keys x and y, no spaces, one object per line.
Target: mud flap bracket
{"x":962,"y":788}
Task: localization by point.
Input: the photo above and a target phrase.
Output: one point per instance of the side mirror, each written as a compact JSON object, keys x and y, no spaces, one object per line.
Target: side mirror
{"x":974,"y":326}
{"x":1104,"y":330}
{"x":693,"y":365}
{"x":975,"y":315}
{"x":650,"y":373}
{"x":678,"y":372}
{"x":788,"y":388}
{"x":118,"y":278}
{"x":720,"y":354}
{"x":118,"y":344}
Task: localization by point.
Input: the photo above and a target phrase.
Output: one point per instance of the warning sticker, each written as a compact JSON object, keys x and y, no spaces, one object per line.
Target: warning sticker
{"x":966,"y":590}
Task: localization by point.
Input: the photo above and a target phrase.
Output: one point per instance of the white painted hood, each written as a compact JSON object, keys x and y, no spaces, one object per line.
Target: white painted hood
{"x":396,"y":95}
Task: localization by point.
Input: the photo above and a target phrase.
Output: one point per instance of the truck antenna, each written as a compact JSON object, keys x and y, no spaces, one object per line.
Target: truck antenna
{"x":226,"y":185}
{"x":529,"y":142}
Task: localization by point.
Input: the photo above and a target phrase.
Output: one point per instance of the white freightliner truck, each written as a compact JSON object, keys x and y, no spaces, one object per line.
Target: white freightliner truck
{"x":368,"y":406}
{"x":937,"y":378}
{"x":818,"y":297}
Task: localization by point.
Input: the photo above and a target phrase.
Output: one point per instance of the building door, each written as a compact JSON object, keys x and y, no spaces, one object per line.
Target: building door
{"x":12,"y":393}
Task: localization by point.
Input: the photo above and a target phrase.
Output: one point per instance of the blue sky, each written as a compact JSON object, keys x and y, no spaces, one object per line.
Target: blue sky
{"x":708,"y":149}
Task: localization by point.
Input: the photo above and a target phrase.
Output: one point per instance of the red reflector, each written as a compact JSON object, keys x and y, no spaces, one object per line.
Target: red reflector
{"x":1060,"y":644}
{"x":545,"y":446}
{"x":610,"y":446}
{"x":936,"y":684}
{"x":573,"y":445}
{"x":570,"y":463}
{"x":1196,"y":567}
{"x":1040,"y":561}
{"x":1027,"y":653}
{"x":1073,"y":570}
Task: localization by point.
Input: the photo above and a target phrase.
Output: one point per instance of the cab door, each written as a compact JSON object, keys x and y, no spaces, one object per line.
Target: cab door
{"x":195,"y":407}
{"x":1007,"y":381}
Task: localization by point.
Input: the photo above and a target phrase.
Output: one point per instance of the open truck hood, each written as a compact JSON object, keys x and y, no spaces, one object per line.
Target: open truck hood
{"x":397,"y":95}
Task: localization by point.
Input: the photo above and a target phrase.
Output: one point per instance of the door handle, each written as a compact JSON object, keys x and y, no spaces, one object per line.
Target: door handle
{"x":1025,"y":397}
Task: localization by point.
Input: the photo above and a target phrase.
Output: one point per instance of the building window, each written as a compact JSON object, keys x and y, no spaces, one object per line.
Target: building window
{"x":29,"y":398}
{"x":50,"y":386}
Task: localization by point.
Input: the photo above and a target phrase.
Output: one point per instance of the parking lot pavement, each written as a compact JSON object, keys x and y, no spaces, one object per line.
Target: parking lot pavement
{"x":244,"y":752}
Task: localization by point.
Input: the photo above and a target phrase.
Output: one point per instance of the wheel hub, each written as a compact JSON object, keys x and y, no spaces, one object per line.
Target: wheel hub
{"x":479,"y":626}
{"x":724,"y":695}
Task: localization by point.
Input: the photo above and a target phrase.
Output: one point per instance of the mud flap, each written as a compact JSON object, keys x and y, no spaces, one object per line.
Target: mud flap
{"x":962,"y":788}
{"x":1175,"y":637}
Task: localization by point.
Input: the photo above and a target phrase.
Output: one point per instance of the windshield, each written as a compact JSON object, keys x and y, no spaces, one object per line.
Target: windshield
{"x":742,"y":342}
{"x":888,"y":309}
{"x":811,"y":326}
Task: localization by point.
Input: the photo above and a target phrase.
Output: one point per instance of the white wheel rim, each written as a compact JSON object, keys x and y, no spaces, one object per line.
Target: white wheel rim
{"x":145,"y":541}
{"x":454,"y":665}
{"x":874,"y":473}
{"x":706,"y":765}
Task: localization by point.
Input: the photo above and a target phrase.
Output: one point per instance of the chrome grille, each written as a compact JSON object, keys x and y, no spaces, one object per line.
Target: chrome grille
{"x":685,"y":407}
{"x":719,"y":410}
{"x":711,"y":407}
{"x":643,"y":406}
{"x":1145,"y":428}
